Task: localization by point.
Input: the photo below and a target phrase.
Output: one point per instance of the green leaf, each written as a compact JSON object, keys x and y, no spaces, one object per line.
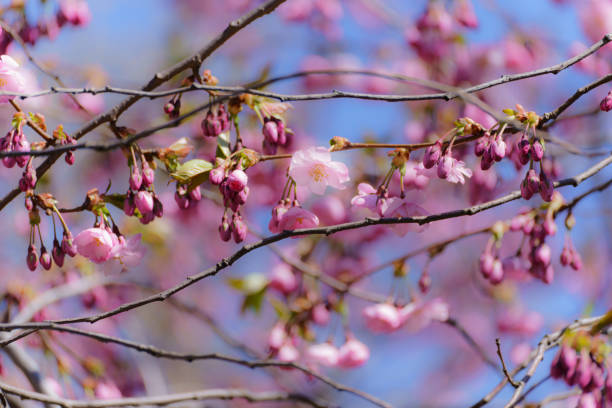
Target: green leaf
{"x":253,"y":301}
{"x":193,"y":172}
{"x":223,"y":145}
{"x":115,"y":199}
{"x":281,"y":309}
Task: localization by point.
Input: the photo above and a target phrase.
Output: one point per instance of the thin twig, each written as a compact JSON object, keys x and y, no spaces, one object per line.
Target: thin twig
{"x":504,"y":369}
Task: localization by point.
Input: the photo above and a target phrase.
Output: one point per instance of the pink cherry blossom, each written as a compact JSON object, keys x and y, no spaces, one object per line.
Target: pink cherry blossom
{"x":395,"y":207}
{"x":288,"y":353}
{"x":353,"y":354}
{"x":315,"y":169}
{"x":366,"y":197}
{"x":107,"y":390}
{"x":128,"y":253}
{"x":11,"y":79}
{"x":297,"y":218}
{"x":325,"y":354}
{"x":417,"y":316}
{"x":95,"y":244}
{"x":382,"y":318}
{"x":453,"y":170}
{"x":283,"y":279}
{"x":277,"y":337}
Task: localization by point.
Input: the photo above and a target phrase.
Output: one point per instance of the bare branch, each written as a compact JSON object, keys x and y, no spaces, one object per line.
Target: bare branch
{"x":505,"y":370}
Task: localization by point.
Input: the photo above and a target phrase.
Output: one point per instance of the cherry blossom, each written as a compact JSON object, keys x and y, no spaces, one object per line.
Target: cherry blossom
{"x":315,"y":169}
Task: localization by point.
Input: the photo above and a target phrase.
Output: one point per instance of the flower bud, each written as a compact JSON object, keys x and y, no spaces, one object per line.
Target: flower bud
{"x":195,"y":194}
{"x":68,"y":244}
{"x":224,"y":229}
{"x":582,"y":375}
{"x":533,"y":181}
{"x":158,"y":207}
{"x":239,"y":228}
{"x":486,"y":264}
{"x":542,"y":254}
{"x":546,"y":187}
{"x":487,"y":160}
{"x":216,"y":175}
{"x":211,"y":125}
{"x":481,"y":146}
{"x":537,"y":151}
{"x":143,"y":200}
{"x":135,"y":179}
{"x":241,"y":197}
{"x":353,"y":354}
{"x":564,"y":362}
{"x":524,"y":150}
{"x":32,"y":258}
{"x":128,"y":204}
{"x":497,"y":272}
{"x":69,"y":158}
{"x":498,"y":149}
{"x":237,"y":180}
{"x":181,"y":200}
{"x":58,"y":254}
{"x":432,"y":155}
{"x":320,"y":315}
{"x":445,"y":165}
{"x":270,"y":131}
{"x":525,"y":191}
{"x":148,"y":174}
{"x":606,"y":103}
{"x":45,"y":258}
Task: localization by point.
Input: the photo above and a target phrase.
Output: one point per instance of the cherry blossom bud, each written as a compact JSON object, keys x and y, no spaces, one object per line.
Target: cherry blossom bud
{"x":282,"y":134}
{"x":587,"y":400}
{"x":533,"y":181}
{"x":564,"y":363}
{"x":45,"y":258}
{"x":542,"y":254}
{"x":549,"y":225}
{"x":445,"y":165}
{"x":498,"y":149}
{"x":481,"y":146}
{"x":487,"y":160}
{"x":566,"y":256}
{"x":58,"y":254}
{"x":143,"y":200}
{"x":283,"y":279}
{"x":546,"y":187}
{"x":237,"y":180}
{"x":524,"y":150}
{"x":148,"y":174}
{"x":325,"y":354}
{"x":168,"y":108}
{"x":135,"y":179}
{"x":239,"y":228}
{"x":525,"y":191}
{"x":425,"y":281}
{"x":68,"y":245}
{"x":32,"y":258}
{"x":277,"y":337}
{"x":216,"y":175}
{"x":211,"y":125}
{"x":29,"y":204}
{"x":270,"y":131}
{"x":225,"y":232}
{"x":537,"y":151}
{"x":606,"y":103}
{"x":241,"y":197}
{"x":69,"y":157}
{"x":486,"y":264}
{"x":582,"y":375}
{"x":382,"y":318}
{"x":432,"y":155}
{"x":576,"y":262}
{"x":320,"y":315}
{"x":195,"y":194}
{"x":353,"y":354}
{"x":497,"y":272}
{"x":597,"y":378}
{"x":128,"y":204}
{"x":465,"y":15}
{"x":181,"y":201}
{"x":288,"y":353}
{"x":269,"y":148}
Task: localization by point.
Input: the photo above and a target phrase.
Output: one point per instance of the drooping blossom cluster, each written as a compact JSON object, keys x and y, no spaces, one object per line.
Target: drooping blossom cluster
{"x":15,"y":140}
{"x":416,"y":315}
{"x":582,"y":361}
{"x":102,"y":243}
{"x":235,"y":191}
{"x":141,"y":194}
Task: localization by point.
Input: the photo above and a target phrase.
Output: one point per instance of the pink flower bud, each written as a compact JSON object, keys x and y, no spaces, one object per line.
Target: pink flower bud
{"x":195,"y":194}
{"x":533,"y":181}
{"x":135,"y":179}
{"x":486,"y":264}
{"x":497,"y":272}
{"x":537,"y":151}
{"x":241,"y":197}
{"x":465,"y":15}
{"x":582,"y":375}
{"x":606,"y":103}
{"x":32,"y":258}
{"x":481,"y":146}
{"x":576,"y":262}
{"x":68,"y":245}
{"x":424,"y":282}
{"x":45,"y":258}
{"x":270,"y":131}
{"x":277,"y":337}
{"x":546,"y":187}
{"x":524,"y":150}
{"x":58,"y":254}
{"x":432,"y":155}
{"x":525,"y":191}
{"x":181,"y":201}
{"x":239,"y":228}
{"x":325,"y":354}
{"x":445,"y":165}
{"x":320,"y":315}
{"x":143,"y":200}
{"x":237,"y":180}
{"x":487,"y":160}
{"x":498,"y":149}
{"x":211,"y":125}
{"x":283,"y":279}
{"x":587,"y":400}
{"x":158,"y":207}
{"x":542,"y":254}
{"x":225,"y":232}
{"x":128,"y":204}
{"x":148,"y":174}
{"x":549,"y":225}
{"x":382,"y":318}
{"x":69,"y":158}
{"x":564,"y":362}
{"x":353,"y":354}
{"x":216,"y":175}
{"x":288,"y":353}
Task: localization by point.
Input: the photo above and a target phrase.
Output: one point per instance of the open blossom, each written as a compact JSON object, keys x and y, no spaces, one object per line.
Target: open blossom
{"x":128,"y":252}
{"x":325,"y":354}
{"x":416,"y":316}
{"x":95,"y":244}
{"x":353,"y":354}
{"x":297,"y":218}
{"x":11,"y":79}
{"x":283,"y":279}
{"x":453,"y":170}
{"x":382,"y":318}
{"x":315,"y":169}
{"x":395,"y":207}
{"x":366,"y":197}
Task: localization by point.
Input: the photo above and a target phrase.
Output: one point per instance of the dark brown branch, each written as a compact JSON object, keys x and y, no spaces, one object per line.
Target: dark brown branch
{"x":172,"y":355}
{"x":503,"y":363}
